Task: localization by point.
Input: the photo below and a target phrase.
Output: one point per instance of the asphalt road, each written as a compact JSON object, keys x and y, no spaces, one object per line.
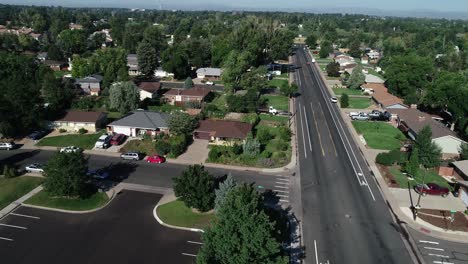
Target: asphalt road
{"x":123,"y":232}
{"x":345,"y":219}
{"x":140,"y":172}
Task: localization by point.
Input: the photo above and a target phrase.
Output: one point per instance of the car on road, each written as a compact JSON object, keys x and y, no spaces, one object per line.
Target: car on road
{"x":38,"y":134}
{"x":431,"y":189}
{"x":360,"y":117}
{"x":130,"y":156}
{"x":103,"y":142}
{"x":99,"y":174}
{"x":155,"y":159}
{"x":334,"y":100}
{"x":7,"y":145}
{"x":35,"y":167}
{"x":209,"y":83}
{"x":117,"y":139}
{"x":70,"y":149}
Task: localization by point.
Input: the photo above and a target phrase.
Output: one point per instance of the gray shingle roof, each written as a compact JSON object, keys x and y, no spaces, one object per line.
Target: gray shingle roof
{"x":143,"y":119}
{"x":209,"y":71}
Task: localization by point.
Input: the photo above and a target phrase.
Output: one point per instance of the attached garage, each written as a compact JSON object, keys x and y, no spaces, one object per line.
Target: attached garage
{"x":202,"y":135}
{"x":122,"y":130}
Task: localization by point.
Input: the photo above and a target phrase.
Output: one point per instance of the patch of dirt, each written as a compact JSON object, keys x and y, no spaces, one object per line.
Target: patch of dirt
{"x":389,"y":179}
{"x":441,"y":218}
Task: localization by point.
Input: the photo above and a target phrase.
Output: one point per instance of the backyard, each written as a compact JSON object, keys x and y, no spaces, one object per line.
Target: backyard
{"x":278,"y":102}
{"x":12,"y":189}
{"x":379,"y":135}
{"x":359,"y":103}
{"x":340,"y":91}
{"x":85,"y":141}
{"x":274,"y":118}
{"x":277,"y":82}
{"x":177,"y":214}
{"x":42,"y":198}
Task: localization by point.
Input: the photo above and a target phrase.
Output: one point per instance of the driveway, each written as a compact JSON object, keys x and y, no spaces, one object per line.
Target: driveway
{"x":427,"y":202}
{"x":196,"y":153}
{"x":123,"y":232}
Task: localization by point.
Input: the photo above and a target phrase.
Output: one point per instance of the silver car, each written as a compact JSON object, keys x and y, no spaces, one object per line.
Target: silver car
{"x":35,"y":167}
{"x":7,"y":145}
{"x":130,"y":156}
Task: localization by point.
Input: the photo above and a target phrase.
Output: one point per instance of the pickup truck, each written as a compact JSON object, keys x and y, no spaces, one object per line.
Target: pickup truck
{"x":360,"y":117}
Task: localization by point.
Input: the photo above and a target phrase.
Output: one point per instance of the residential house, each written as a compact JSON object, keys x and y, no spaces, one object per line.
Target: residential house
{"x":346,"y":62}
{"x":411,"y":121}
{"x":382,"y":97}
{"x":140,"y":123}
{"x":222,"y":132}
{"x":160,"y":73}
{"x":461,"y":168}
{"x":56,"y":65}
{"x":90,"y":84}
{"x":344,"y":50}
{"x":373,"y":55}
{"x":183,"y":96}
{"x":132,"y":63}
{"x":209,"y":73}
{"x":365,"y":59}
{"x":75,"y":120}
{"x":74,"y":26}
{"x":149,"y":90}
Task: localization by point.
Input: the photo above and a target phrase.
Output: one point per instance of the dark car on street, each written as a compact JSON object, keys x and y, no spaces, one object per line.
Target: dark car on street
{"x":38,"y":134}
{"x":99,"y":174}
{"x":431,"y":189}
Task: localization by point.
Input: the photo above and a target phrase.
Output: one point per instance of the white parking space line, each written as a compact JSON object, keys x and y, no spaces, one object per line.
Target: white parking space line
{"x":316,"y":254}
{"x":194,"y":242}
{"x":282,"y":179}
{"x":429,"y":242}
{"x":281,"y":191}
{"x":281,"y":195}
{"x":284,"y":201}
{"x":285,"y":183}
{"x":190,"y":255}
{"x":28,"y":216}
{"x":19,"y":227}
{"x":283,"y":187}
{"x":437,"y":255}
{"x":433,"y":248}
{"x":442,"y":262}
{"x":7,"y":239}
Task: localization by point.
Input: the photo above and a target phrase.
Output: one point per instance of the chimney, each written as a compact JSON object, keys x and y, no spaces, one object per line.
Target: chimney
{"x":414,"y":106}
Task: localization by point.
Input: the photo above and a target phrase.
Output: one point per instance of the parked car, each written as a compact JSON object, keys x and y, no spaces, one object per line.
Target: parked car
{"x":155,"y":159}
{"x":70,"y":149}
{"x":334,"y":100}
{"x":99,"y":174}
{"x":351,"y":114}
{"x":7,"y":145}
{"x":103,"y":141}
{"x":209,"y":83}
{"x":130,"y":156}
{"x":431,"y":189}
{"x":117,"y":139}
{"x":35,"y":167}
{"x":375,"y":114}
{"x":272,"y":110}
{"x":38,"y":134}
{"x":360,"y":117}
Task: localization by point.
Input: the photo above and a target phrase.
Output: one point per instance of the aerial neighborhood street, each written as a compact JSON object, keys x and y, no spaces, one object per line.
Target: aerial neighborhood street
{"x":168,"y":136}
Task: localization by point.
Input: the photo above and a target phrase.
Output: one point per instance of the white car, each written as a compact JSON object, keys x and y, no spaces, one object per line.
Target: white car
{"x":333,"y":100}
{"x":70,"y":149}
{"x":7,"y":145}
{"x":209,"y":83}
{"x":272,"y":110}
{"x":35,"y":167}
{"x":103,"y":142}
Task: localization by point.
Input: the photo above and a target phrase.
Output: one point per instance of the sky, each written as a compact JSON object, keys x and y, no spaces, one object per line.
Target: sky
{"x":460,"y":6}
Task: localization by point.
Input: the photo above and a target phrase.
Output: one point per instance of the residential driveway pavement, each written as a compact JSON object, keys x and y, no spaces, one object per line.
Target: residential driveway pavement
{"x":428,"y":202}
{"x":123,"y":232}
{"x":196,"y":153}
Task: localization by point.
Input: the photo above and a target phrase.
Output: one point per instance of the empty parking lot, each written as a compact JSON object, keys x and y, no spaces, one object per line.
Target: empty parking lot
{"x":123,"y":232}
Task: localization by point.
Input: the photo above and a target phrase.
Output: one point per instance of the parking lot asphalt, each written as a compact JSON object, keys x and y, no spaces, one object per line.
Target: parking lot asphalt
{"x":123,"y":232}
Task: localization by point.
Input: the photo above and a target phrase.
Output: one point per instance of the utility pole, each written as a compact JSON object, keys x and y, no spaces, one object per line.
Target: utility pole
{"x":418,"y":205}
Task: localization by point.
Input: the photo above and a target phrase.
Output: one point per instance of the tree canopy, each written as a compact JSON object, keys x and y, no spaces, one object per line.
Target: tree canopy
{"x":124,"y":97}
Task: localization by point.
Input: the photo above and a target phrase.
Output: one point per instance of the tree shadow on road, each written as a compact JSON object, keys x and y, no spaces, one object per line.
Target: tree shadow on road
{"x":19,"y":157}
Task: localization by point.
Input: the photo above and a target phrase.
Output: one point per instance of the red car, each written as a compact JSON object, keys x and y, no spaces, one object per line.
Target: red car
{"x":155,"y":159}
{"x":431,"y":189}
{"x":117,"y":139}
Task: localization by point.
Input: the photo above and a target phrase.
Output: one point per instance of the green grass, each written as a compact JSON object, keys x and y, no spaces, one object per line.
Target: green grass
{"x":60,"y":74}
{"x":277,"y":82}
{"x":279,"y":102}
{"x":283,"y":75}
{"x":220,"y":101}
{"x":218,"y":82}
{"x":143,"y":146}
{"x":373,"y":72}
{"x":340,"y":91}
{"x":14,"y":188}
{"x":177,"y":214}
{"x":323,"y":60}
{"x":431,"y":177}
{"x":273,"y":118}
{"x":86,"y":141}
{"x":73,"y":204}
{"x":379,"y":135}
{"x":359,"y":103}
{"x":114,"y":115}
{"x":164,"y":108}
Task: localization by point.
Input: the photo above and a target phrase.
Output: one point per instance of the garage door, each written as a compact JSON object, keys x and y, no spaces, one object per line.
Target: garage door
{"x":202,"y":135}
{"x":122,"y":130}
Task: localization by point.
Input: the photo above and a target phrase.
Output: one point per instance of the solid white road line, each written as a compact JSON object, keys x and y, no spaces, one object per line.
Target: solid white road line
{"x":7,"y":239}
{"x":307,"y":127}
{"x":442,"y":262}
{"x":19,"y":227}
{"x":302,"y":128}
{"x":28,"y":216}
{"x":429,"y":242}
{"x":318,"y":132}
{"x":190,"y":255}
{"x":194,"y":242}
{"x":284,"y":187}
{"x":316,"y":254}
{"x":437,"y":255}
{"x":433,"y":248}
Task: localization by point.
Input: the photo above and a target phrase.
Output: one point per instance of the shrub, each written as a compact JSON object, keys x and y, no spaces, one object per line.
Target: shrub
{"x":82,"y":131}
{"x":9,"y":171}
{"x":251,"y":147}
{"x":178,"y":145}
{"x":62,"y":130}
{"x":266,"y":154}
{"x":344,"y":100}
{"x":384,"y":159}
{"x":263,"y":135}
{"x":285,"y":133}
{"x":162,"y":147}
{"x":214,"y":154}
{"x":237,"y":149}
{"x":251,"y":118}
{"x":392,"y":157}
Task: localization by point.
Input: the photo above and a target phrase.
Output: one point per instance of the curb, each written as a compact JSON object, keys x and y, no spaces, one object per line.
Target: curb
{"x":155,"y":214}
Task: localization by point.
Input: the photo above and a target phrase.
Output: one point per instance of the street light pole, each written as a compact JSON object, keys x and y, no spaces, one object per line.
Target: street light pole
{"x":418,"y":205}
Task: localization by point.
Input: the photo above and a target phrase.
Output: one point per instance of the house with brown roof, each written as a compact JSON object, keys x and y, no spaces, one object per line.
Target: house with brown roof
{"x":149,"y":90}
{"x":411,"y":121}
{"x":222,"y":132}
{"x":382,"y":97}
{"x":183,"y":96}
{"x":75,"y":120}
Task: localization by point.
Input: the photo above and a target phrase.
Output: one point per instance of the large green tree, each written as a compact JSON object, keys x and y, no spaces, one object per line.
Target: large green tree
{"x":72,"y":41}
{"x":175,"y":60}
{"x":147,"y":58}
{"x":356,"y":79}
{"x":325,"y":49}
{"x":429,"y":152}
{"x":182,"y":123}
{"x":196,"y":188}
{"x":124,"y":97}
{"x":235,"y":66}
{"x":311,"y":40}
{"x":242,"y":232}
{"x":333,"y":69}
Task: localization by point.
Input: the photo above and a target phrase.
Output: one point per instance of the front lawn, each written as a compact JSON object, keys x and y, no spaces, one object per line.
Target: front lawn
{"x":164,"y":108}
{"x":277,"y":82}
{"x":60,"y":74}
{"x":379,"y":135}
{"x":145,"y":146}
{"x":43,"y":199}
{"x":279,"y":102}
{"x":274,"y":118}
{"x":431,"y":177}
{"x":340,"y":91}
{"x":177,"y":214}
{"x":14,"y":188}
{"x":282,"y":76}
{"x":85,"y":141}
{"x":359,"y":103}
